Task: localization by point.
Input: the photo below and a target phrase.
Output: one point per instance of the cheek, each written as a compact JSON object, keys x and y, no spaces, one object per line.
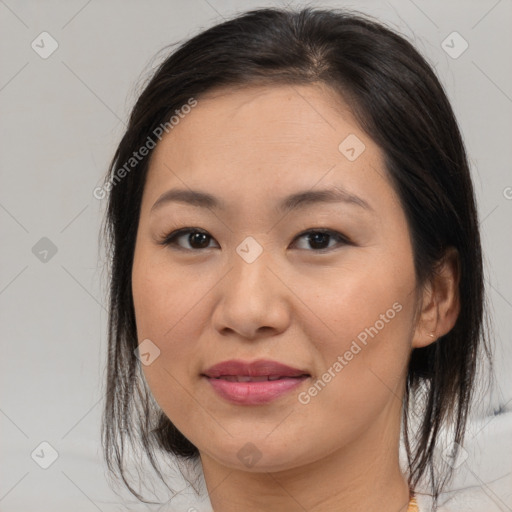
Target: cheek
{"x":172,"y":309}
{"x":366,"y":312}
{"x":164,"y":316}
{"x":163,"y":297}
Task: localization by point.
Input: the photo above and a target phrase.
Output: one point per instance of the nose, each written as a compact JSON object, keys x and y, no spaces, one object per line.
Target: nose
{"x":253,"y":300}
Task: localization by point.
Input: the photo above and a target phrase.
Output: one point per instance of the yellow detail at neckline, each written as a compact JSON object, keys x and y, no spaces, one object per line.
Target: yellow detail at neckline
{"x":413,"y":505}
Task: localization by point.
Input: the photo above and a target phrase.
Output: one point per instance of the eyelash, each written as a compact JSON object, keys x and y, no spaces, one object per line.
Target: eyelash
{"x":170,"y":239}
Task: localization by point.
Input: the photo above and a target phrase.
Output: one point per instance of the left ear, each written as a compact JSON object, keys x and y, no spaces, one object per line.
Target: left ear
{"x":440,"y":301}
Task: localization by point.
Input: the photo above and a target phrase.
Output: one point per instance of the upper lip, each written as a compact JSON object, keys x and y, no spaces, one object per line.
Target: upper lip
{"x":257,"y":368}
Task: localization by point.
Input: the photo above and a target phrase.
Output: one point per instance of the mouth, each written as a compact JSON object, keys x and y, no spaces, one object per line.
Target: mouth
{"x":267,"y":369}
{"x":261,"y":378}
{"x":252,"y":383}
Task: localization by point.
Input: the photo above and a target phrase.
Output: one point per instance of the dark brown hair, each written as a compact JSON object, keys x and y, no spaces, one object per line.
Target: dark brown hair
{"x":401,"y":105}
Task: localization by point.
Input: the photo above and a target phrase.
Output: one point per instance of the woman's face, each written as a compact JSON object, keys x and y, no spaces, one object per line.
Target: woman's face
{"x":254,"y":286}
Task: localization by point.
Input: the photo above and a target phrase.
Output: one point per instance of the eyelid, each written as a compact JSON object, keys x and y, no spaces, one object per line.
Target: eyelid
{"x":340,"y":237}
{"x":168,"y":240}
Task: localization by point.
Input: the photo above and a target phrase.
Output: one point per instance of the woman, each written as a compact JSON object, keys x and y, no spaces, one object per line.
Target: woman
{"x":296,"y":267}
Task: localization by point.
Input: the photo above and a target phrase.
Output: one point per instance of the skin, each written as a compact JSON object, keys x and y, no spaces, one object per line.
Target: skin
{"x":251,"y":147}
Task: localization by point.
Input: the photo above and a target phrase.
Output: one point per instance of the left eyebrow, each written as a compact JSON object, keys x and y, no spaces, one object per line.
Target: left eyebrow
{"x":328,"y":195}
{"x":292,"y":202}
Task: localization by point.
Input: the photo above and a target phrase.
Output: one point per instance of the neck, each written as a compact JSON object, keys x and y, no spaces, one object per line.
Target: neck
{"x":363,"y":475}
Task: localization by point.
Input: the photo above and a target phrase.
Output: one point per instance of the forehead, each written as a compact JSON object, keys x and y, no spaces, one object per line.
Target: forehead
{"x":260,"y":142}
{"x":286,"y":117}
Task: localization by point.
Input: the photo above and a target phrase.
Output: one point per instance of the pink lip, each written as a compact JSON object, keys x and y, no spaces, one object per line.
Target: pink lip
{"x":252,"y":393}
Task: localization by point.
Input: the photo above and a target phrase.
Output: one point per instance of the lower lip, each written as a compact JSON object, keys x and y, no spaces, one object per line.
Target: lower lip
{"x":252,"y":393}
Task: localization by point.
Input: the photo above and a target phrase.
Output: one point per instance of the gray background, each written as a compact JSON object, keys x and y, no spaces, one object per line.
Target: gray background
{"x":60,"y":120}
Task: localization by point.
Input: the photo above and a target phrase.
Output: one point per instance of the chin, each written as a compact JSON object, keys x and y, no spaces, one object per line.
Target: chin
{"x":262,"y":455}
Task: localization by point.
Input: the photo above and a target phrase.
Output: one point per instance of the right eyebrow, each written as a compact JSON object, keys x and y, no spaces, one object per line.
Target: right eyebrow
{"x":192,"y":197}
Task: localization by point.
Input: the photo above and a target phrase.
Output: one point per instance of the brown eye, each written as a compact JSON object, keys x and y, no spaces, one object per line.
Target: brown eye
{"x":196,"y":239}
{"x":319,"y":240}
